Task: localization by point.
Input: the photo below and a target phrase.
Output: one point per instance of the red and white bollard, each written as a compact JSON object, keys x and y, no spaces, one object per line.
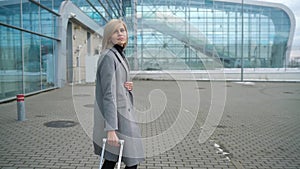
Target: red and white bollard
{"x":21,"y":107}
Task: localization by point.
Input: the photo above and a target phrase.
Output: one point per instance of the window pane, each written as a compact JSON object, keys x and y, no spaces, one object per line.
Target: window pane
{"x":31,"y":20}
{"x":10,"y":63}
{"x":10,"y":13}
{"x":32,"y":62}
{"x":47,"y":52}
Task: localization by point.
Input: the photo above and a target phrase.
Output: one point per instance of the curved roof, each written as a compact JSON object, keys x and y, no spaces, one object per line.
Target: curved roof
{"x":260,"y":7}
{"x":280,"y":6}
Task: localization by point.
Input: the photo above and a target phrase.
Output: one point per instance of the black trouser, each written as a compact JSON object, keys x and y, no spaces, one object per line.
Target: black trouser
{"x":111,"y":164}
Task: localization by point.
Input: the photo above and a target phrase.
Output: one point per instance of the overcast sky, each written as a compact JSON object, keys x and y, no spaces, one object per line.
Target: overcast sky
{"x":294,"y":5}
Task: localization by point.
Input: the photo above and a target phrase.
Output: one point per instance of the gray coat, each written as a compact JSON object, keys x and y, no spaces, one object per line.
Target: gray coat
{"x":113,"y":109}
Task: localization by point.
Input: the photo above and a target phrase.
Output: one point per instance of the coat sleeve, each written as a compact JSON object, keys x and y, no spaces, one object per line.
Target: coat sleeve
{"x":107,"y":75}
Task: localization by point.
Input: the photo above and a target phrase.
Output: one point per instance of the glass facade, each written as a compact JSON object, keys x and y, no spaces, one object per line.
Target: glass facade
{"x":103,"y":10}
{"x":206,"y":34}
{"x":29,"y":41}
{"x":164,"y":35}
{"x":27,"y":47}
{"x":198,"y":34}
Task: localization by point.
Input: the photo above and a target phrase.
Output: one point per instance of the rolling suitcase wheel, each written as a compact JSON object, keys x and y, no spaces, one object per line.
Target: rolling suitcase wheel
{"x":121,"y":142}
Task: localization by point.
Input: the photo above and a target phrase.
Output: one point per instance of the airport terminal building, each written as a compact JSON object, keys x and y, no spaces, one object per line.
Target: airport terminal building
{"x":46,"y":44}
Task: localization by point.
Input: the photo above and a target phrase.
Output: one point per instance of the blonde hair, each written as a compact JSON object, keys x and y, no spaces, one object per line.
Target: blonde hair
{"x":109,"y":29}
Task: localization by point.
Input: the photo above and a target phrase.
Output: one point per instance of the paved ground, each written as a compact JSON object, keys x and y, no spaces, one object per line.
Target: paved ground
{"x":259,"y":127}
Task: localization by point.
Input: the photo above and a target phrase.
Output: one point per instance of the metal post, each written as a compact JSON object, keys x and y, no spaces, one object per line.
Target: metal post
{"x":121,"y":8}
{"x":286,"y":61}
{"x":134,"y":15}
{"x":242,"y":44}
{"x":21,"y":107}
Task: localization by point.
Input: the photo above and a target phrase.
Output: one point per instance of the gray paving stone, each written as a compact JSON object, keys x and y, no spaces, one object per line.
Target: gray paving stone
{"x":259,"y":130}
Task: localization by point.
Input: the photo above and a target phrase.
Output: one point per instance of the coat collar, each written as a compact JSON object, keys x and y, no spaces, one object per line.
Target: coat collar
{"x":123,"y":61}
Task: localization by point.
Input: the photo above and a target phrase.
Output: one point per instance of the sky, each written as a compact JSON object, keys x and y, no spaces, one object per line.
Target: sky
{"x":294,"y":6}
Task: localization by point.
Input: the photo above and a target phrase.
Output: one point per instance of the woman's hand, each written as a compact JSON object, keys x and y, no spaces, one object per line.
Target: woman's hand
{"x":112,"y":138}
{"x":128,"y":86}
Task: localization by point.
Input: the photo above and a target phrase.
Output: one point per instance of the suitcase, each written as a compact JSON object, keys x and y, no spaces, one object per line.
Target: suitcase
{"x":121,"y":142}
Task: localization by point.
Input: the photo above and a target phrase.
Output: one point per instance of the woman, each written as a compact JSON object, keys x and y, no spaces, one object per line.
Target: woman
{"x":113,"y":115}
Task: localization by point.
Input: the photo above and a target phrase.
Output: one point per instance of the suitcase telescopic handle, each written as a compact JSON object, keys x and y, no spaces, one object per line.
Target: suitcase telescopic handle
{"x":121,"y":142}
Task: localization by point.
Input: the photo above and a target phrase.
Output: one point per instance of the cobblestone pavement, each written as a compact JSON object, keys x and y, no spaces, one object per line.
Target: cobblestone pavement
{"x":259,"y":128}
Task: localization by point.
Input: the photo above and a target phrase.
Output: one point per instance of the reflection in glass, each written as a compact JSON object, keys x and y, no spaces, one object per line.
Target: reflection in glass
{"x":10,"y":63}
